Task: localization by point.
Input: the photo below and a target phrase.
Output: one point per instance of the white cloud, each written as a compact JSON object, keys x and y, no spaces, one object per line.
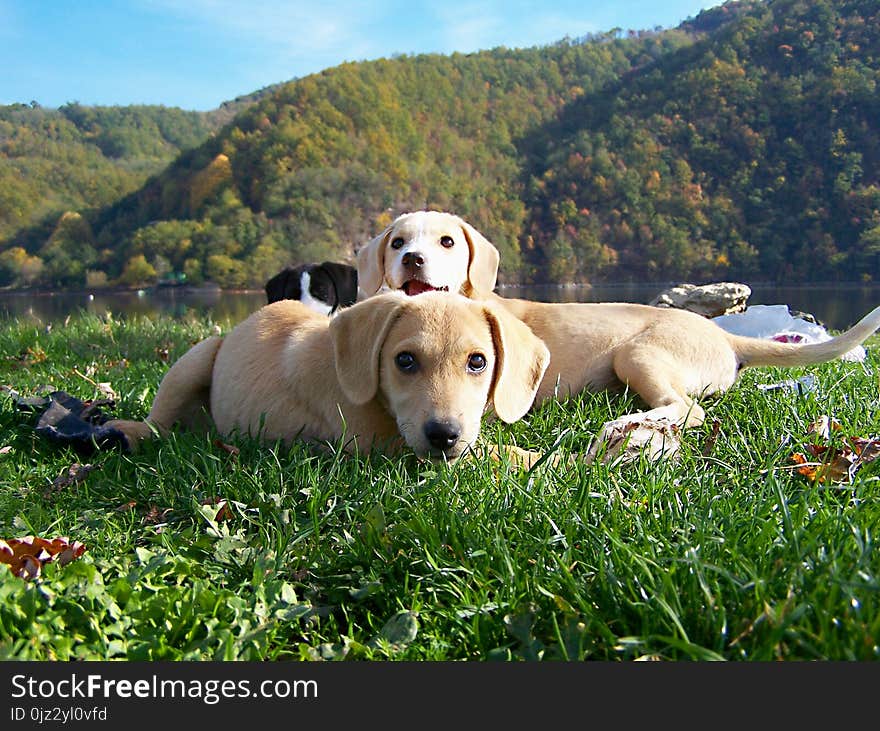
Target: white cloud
{"x":355,"y":30}
{"x":483,"y":25}
{"x":301,"y":27}
{"x":277,"y":40}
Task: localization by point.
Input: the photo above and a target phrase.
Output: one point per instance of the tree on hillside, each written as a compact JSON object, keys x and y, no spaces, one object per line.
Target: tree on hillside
{"x":138,"y":272}
{"x":18,"y":268}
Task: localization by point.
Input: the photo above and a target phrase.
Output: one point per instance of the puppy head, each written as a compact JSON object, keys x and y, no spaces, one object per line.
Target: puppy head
{"x":437,"y":362}
{"x":425,"y":251}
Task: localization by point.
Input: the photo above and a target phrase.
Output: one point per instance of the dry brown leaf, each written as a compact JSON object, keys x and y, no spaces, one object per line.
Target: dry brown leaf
{"x":27,"y":556}
{"x":823,"y":426}
{"x":625,"y":439}
{"x":75,"y":474}
{"x":223,"y":511}
{"x":104,"y":387}
{"x":231,"y":449}
{"x":155,"y":515}
{"x":709,"y":444}
{"x":28,"y":357}
{"x":836,"y":464}
{"x":837,"y":470}
{"x":867,"y":449}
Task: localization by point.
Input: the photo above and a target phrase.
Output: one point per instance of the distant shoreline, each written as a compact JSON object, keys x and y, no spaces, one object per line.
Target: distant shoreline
{"x":187,"y":289}
{"x":150,"y":289}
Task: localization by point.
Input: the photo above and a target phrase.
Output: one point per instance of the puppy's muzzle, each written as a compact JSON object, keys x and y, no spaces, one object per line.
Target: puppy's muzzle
{"x":442,"y":435}
{"x":413,"y":261}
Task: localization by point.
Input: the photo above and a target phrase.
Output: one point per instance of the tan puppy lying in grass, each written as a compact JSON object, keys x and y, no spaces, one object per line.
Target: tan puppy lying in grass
{"x":668,"y":357}
{"x":388,"y":372}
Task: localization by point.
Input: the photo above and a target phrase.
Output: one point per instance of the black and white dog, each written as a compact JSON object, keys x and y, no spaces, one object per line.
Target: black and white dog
{"x":324,"y":287}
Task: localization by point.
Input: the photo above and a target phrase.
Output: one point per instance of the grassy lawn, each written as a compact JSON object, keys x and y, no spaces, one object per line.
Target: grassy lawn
{"x":194,"y":551}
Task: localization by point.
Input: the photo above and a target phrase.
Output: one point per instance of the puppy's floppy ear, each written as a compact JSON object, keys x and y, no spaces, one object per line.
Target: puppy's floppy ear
{"x":358,"y":334}
{"x":278,"y":285}
{"x":371,"y":264}
{"x":344,"y":278}
{"x":520,"y":361}
{"x":483,"y":266}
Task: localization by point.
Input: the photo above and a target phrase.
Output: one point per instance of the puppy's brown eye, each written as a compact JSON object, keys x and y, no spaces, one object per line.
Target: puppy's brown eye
{"x":397,"y":243}
{"x":476,"y":363}
{"x":446,"y":242}
{"x":406,"y":362}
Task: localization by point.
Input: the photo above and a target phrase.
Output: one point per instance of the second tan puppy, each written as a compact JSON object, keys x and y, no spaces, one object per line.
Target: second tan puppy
{"x":668,"y":357}
{"x":387,"y":372}
{"x":424,"y":251}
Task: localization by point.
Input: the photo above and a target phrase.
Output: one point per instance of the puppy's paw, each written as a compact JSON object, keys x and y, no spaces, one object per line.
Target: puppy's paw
{"x":625,"y":439}
{"x":134,"y":432}
{"x":524,"y":458}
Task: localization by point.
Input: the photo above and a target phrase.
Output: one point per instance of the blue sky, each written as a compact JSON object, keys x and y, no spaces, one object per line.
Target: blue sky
{"x":196,"y":54}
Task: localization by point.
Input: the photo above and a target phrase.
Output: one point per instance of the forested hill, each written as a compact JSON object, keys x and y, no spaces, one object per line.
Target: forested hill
{"x":753,"y":153}
{"x":76,"y":156}
{"x":78,"y":159}
{"x":744,"y":143}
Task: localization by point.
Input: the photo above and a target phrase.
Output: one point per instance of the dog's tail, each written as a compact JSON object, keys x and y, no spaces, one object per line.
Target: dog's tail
{"x":759,"y":352}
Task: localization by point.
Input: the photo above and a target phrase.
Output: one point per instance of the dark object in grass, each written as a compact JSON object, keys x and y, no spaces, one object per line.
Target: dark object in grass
{"x":78,"y":424}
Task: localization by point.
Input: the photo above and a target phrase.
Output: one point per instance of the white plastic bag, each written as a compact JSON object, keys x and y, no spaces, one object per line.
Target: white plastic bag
{"x":775,"y":322}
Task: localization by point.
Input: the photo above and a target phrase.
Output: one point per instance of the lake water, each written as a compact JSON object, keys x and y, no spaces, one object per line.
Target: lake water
{"x":836,"y":306}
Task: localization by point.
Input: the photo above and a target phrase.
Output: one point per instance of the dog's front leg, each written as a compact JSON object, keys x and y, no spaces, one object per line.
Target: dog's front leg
{"x":183,"y":396}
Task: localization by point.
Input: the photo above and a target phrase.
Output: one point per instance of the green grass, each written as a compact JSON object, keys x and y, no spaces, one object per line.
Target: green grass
{"x":727,"y":556}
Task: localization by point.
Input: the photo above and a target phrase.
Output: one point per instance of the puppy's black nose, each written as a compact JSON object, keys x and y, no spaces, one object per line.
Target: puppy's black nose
{"x":413,"y":260}
{"x":442,"y":435}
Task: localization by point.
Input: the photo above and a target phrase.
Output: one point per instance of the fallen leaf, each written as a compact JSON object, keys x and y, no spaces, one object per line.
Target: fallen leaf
{"x":836,"y":471}
{"x":28,"y":356}
{"x":27,"y":556}
{"x":624,"y":440}
{"x":75,"y":474}
{"x":223,"y":510}
{"x":867,"y":449}
{"x":233,"y":450}
{"x":823,"y":426}
{"x":709,"y":444}
{"x":154,"y":515}
{"x":5,"y":450}
{"x":104,"y":387}
{"x":836,"y":464}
